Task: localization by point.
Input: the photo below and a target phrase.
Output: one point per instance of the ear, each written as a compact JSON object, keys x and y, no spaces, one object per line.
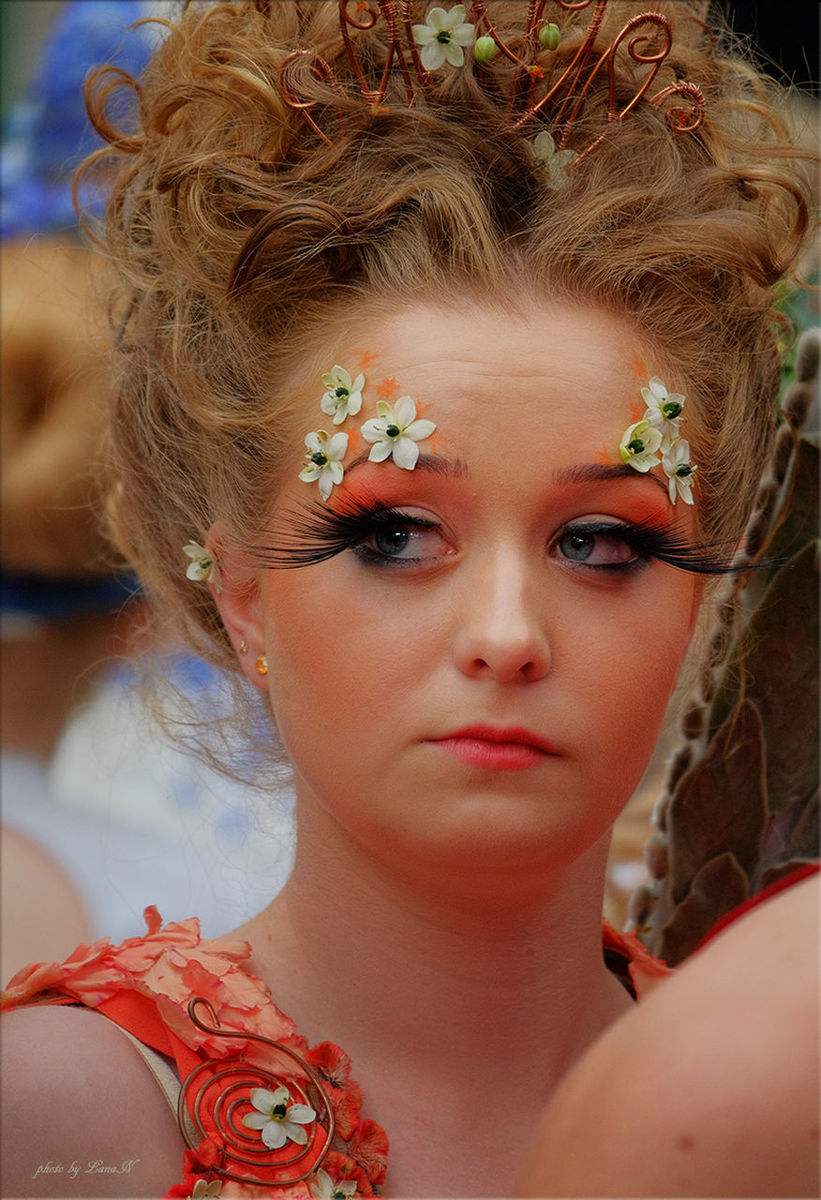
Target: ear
{"x":239,"y":602}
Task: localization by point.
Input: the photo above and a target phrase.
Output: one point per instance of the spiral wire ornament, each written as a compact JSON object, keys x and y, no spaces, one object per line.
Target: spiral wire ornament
{"x":561,"y":104}
{"x":216,"y":1095}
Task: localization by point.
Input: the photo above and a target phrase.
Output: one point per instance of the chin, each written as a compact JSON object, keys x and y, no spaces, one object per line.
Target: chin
{"x":496,"y":845}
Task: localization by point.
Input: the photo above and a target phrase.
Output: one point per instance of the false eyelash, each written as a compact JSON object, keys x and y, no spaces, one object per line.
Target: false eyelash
{"x":649,"y":541}
{"x":322,"y":533}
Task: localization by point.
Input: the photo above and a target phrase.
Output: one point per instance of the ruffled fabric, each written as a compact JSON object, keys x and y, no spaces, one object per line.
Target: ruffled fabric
{"x":146,"y":984}
{"x":627,"y":957}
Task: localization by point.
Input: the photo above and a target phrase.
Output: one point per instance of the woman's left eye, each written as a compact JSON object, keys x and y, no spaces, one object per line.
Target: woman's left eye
{"x":403,"y":543}
{"x":598,"y":546}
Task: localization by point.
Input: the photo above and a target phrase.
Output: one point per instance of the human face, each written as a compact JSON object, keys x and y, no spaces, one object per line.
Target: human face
{"x":479,"y":691}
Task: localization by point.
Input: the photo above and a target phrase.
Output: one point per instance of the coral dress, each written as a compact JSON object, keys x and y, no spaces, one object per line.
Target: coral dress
{"x":258,"y":1107}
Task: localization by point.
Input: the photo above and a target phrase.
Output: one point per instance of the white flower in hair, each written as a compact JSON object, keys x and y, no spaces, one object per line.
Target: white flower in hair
{"x":554,"y":161}
{"x":679,"y":470}
{"x":639,"y":446}
{"x":344,"y":395}
{"x":326,"y":1189}
{"x":277,"y":1120}
{"x":323,"y":462}
{"x":395,"y":432}
{"x":203,"y":565}
{"x":442,"y":37}
{"x":663,"y":410}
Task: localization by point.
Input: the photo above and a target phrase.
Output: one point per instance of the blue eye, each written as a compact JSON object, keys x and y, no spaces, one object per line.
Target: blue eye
{"x":598,"y":546}
{"x":391,"y":542}
{"x":402,"y":541}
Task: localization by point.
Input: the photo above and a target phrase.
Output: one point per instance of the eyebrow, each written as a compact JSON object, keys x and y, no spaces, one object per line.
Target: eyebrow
{"x":597,"y":472}
{"x":435,"y":464}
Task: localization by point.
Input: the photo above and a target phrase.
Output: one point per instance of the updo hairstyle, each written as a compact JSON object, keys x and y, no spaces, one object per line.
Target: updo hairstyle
{"x":244,"y":243}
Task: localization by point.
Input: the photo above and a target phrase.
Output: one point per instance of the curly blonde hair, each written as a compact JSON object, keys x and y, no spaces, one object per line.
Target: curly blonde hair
{"x":242,"y":239}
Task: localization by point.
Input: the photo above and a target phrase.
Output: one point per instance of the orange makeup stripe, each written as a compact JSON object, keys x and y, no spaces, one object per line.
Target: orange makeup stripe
{"x":638,"y":368}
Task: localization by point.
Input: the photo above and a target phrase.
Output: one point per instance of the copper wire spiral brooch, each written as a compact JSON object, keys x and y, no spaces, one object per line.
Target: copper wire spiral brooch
{"x":216,"y":1095}
{"x":646,"y":39}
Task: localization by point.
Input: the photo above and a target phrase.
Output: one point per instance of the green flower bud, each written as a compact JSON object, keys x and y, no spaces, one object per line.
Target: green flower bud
{"x":484,"y":49}
{"x":550,"y":36}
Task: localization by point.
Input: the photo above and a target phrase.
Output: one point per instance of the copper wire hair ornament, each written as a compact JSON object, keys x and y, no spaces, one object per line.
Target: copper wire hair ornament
{"x":646,"y":39}
{"x":215,"y":1096}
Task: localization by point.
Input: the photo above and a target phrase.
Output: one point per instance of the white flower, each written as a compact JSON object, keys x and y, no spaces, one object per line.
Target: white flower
{"x":344,"y":395}
{"x":663,"y":410}
{"x":679,"y":470}
{"x":325,"y":1189}
{"x":206,"y":1191}
{"x":203,"y":565}
{"x":442,"y":37}
{"x":323,"y":462}
{"x":395,"y":432}
{"x":554,"y":161}
{"x":639,"y":446}
{"x":276,"y":1119}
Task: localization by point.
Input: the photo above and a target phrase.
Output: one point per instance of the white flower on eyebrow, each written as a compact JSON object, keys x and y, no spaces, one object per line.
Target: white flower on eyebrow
{"x":442,"y":37}
{"x":323,"y":462}
{"x":679,"y":470}
{"x":639,"y":446}
{"x":344,"y":395}
{"x":663,"y":410}
{"x":395,"y":432}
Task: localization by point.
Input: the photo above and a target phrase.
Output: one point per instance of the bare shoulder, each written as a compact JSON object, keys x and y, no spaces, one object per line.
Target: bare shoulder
{"x":82,"y":1113}
{"x":710,"y":1087}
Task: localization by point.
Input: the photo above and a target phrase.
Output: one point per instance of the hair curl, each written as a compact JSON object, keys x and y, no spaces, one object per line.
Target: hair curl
{"x":238,"y":233}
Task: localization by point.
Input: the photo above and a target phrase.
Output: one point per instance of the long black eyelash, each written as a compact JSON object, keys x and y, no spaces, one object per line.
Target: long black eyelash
{"x":322,"y":533}
{"x":647,"y":541}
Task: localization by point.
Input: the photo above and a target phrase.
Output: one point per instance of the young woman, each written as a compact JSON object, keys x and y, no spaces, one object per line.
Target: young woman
{"x":450,"y":394}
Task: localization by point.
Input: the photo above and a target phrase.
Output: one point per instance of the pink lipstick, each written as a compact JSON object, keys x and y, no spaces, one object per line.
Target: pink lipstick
{"x":496,"y":749}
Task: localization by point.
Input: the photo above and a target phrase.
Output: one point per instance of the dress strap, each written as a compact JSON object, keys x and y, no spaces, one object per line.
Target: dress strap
{"x":160,"y":1068}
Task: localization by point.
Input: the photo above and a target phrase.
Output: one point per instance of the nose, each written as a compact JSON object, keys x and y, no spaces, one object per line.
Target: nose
{"x":501,"y":632}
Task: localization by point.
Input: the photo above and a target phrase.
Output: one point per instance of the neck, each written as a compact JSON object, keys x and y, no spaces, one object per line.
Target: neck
{"x":361,"y":956}
{"x":451,"y":998}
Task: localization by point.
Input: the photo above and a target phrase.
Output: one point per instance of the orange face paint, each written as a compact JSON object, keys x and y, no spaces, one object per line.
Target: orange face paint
{"x":387,"y":390}
{"x":637,"y":367}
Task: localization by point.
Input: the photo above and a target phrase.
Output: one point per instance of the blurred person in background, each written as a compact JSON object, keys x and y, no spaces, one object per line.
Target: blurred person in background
{"x":81,"y":855}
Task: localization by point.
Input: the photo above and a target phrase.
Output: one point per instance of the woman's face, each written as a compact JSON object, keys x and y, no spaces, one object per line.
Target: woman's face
{"x":485,"y":684}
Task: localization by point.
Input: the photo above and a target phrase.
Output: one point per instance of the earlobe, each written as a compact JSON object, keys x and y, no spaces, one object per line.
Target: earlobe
{"x":238,"y":601}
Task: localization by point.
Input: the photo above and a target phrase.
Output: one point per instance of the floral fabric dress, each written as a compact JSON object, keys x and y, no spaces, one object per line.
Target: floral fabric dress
{"x":259,"y":1108}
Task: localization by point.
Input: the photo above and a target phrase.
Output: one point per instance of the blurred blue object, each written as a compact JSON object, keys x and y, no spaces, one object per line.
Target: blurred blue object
{"x":51,"y":598}
{"x":47,"y":133}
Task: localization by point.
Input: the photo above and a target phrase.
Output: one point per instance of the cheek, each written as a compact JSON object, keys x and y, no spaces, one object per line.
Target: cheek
{"x":337,"y":661}
{"x":631,"y":668}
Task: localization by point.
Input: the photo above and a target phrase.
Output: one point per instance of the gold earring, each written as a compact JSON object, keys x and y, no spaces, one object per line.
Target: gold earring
{"x":243,"y":647}
{"x":262,"y":665}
